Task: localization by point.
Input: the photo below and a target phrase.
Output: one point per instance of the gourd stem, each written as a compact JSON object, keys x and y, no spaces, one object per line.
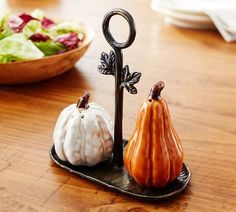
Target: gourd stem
{"x":155,"y":92}
{"x":83,"y":101}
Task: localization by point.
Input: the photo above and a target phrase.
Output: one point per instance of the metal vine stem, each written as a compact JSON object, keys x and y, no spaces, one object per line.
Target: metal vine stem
{"x":112,"y":64}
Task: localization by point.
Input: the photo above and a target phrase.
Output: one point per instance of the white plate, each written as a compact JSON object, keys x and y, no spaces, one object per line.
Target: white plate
{"x":196,"y":6}
{"x":183,"y":24}
{"x":190,"y":18}
{"x":181,"y":15}
{"x":170,"y":6}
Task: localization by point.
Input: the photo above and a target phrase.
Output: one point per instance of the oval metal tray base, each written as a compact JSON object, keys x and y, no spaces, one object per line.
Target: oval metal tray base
{"x":118,"y":179}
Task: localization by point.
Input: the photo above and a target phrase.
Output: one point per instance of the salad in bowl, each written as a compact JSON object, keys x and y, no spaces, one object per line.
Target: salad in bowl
{"x":33,"y":36}
{"x":41,"y":47}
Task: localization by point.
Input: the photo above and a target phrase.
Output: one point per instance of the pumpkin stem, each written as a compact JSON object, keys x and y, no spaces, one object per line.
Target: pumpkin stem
{"x":83,"y":101}
{"x":155,"y":92}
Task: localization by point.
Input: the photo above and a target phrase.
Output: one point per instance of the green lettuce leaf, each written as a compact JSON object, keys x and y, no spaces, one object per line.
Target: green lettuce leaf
{"x":64,"y":28}
{"x":50,"y":48}
{"x":7,"y":58}
{"x":4,"y":29}
{"x":5,"y":33}
{"x":16,"y":47}
{"x":3,"y":20}
{"x":31,"y":28}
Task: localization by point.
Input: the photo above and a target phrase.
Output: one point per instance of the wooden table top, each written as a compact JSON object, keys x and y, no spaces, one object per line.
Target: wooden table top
{"x":199,"y":70}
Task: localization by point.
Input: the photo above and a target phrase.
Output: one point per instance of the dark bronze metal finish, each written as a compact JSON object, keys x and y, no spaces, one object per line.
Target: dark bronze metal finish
{"x":112,"y":64}
{"x":108,"y":175}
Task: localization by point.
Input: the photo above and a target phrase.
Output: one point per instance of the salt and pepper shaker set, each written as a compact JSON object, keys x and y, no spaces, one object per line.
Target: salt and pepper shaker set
{"x":84,"y":134}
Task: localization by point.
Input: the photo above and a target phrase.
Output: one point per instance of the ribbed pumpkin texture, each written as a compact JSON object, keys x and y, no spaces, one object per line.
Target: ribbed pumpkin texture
{"x":154,"y":155}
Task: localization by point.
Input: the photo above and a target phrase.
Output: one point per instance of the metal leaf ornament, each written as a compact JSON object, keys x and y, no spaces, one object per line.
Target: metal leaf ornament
{"x":107,"y":63}
{"x":129,"y":79}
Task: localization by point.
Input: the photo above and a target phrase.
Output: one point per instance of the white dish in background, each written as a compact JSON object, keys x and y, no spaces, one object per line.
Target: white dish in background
{"x":182,"y":24}
{"x":195,"y":6}
{"x":191,"y":18}
{"x":169,"y":6}
{"x":190,"y":13}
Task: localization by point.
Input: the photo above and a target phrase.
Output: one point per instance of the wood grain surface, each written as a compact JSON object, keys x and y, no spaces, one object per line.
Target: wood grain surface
{"x":199,"y":70}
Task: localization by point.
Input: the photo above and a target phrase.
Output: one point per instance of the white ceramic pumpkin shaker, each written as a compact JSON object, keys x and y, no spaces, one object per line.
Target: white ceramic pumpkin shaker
{"x":83,"y":134}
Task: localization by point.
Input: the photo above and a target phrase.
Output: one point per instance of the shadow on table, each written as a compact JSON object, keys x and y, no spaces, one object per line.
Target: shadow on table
{"x":70,"y":82}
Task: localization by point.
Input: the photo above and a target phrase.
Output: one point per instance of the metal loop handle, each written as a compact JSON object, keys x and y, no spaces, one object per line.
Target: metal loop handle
{"x":108,"y":35}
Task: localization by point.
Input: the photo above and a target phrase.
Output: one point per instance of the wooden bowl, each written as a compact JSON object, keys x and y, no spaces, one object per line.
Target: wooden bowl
{"x":46,"y":67}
